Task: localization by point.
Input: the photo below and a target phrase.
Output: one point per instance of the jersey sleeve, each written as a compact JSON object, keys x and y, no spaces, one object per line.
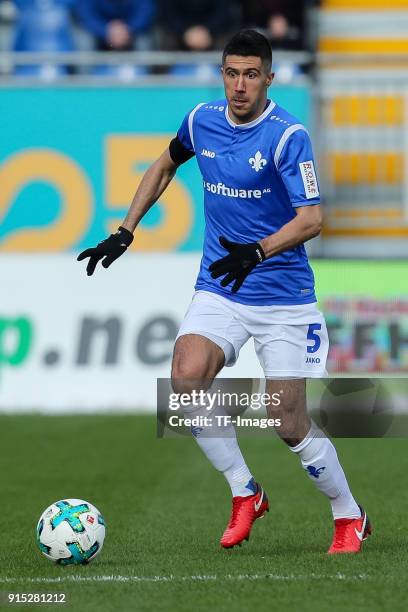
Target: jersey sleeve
{"x":183,"y":134}
{"x":295,"y":165}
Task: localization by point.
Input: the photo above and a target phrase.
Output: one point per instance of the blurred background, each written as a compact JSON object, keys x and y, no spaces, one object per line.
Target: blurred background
{"x":91,"y":92}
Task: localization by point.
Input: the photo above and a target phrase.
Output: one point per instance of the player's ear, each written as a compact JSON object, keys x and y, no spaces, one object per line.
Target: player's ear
{"x":270,"y":78}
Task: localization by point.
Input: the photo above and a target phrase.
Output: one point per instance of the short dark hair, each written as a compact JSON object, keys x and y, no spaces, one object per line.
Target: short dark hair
{"x":249,"y":42}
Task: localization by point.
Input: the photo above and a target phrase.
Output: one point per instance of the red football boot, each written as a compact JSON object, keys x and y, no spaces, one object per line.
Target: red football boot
{"x":349,"y":534}
{"x":245,"y":511}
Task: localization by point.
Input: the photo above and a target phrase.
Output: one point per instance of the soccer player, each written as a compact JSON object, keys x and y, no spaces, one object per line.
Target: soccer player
{"x":261,"y":201}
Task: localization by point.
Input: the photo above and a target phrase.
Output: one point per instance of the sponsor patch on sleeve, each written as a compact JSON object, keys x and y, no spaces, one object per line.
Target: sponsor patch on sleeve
{"x":309,"y":179}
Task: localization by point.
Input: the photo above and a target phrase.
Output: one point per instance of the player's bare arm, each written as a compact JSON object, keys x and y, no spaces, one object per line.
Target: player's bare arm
{"x":242,"y":258}
{"x":153,"y":184}
{"x":306,"y":225}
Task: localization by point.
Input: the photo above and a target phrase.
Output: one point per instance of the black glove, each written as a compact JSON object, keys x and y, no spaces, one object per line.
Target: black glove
{"x":236,"y":266}
{"x":110,"y":249}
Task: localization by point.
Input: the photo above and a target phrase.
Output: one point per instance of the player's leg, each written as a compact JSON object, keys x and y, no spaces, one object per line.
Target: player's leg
{"x":284,"y":352}
{"x":196,"y":359}
{"x":196,"y":362}
{"x":289,"y":353}
{"x":316,"y":452}
{"x":210,"y":337}
{"x":319,"y":458}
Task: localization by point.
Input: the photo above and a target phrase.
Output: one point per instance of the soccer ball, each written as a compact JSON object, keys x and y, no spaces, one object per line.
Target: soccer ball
{"x":71,"y":532}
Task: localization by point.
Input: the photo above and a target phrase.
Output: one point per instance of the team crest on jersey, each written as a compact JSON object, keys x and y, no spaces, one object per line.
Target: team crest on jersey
{"x":257,"y":162}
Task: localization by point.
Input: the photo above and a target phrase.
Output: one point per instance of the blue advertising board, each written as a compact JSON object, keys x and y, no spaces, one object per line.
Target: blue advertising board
{"x":71,"y":159}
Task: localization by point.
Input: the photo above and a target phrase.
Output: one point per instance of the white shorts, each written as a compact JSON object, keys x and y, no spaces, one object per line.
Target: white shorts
{"x":290,"y":341}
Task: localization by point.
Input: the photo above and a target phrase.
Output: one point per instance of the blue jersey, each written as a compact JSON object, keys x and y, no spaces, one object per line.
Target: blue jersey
{"x":254,"y":176}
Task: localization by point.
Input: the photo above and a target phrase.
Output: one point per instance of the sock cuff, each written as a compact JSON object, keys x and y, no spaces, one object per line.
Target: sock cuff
{"x":313,"y":433}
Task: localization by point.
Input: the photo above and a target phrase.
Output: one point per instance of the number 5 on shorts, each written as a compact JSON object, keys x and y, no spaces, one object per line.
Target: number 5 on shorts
{"x":312,"y":336}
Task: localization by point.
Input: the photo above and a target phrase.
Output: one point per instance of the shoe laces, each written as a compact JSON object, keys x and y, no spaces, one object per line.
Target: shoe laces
{"x":341,"y":531}
{"x":237,"y":504}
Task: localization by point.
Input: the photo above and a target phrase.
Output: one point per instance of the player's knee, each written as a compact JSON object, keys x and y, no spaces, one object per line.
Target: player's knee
{"x":188,"y":377}
{"x":190,"y":373}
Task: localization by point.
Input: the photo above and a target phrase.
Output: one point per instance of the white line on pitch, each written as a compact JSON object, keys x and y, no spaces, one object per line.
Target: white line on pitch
{"x":171,"y":578}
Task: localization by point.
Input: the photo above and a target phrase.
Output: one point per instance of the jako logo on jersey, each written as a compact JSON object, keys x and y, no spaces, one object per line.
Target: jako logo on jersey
{"x":257,"y":162}
{"x":312,"y":359}
{"x":208,"y":153}
{"x":315,"y":472}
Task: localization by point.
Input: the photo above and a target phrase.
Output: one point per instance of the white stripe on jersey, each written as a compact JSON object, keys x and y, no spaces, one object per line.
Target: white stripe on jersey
{"x":245,"y":126}
{"x":288,"y":132}
{"x":190,"y":122}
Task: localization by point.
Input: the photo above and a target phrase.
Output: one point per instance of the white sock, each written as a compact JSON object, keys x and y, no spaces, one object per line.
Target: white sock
{"x":220,"y":446}
{"x":319,"y":458}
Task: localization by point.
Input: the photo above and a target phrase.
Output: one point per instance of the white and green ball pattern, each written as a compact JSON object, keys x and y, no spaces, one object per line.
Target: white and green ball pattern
{"x":71,"y":532}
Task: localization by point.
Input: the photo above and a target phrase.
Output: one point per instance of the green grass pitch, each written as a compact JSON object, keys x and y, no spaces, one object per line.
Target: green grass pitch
{"x":165,"y":509}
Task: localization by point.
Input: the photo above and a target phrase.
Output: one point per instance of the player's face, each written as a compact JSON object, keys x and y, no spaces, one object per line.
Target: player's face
{"x":246,"y":82}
